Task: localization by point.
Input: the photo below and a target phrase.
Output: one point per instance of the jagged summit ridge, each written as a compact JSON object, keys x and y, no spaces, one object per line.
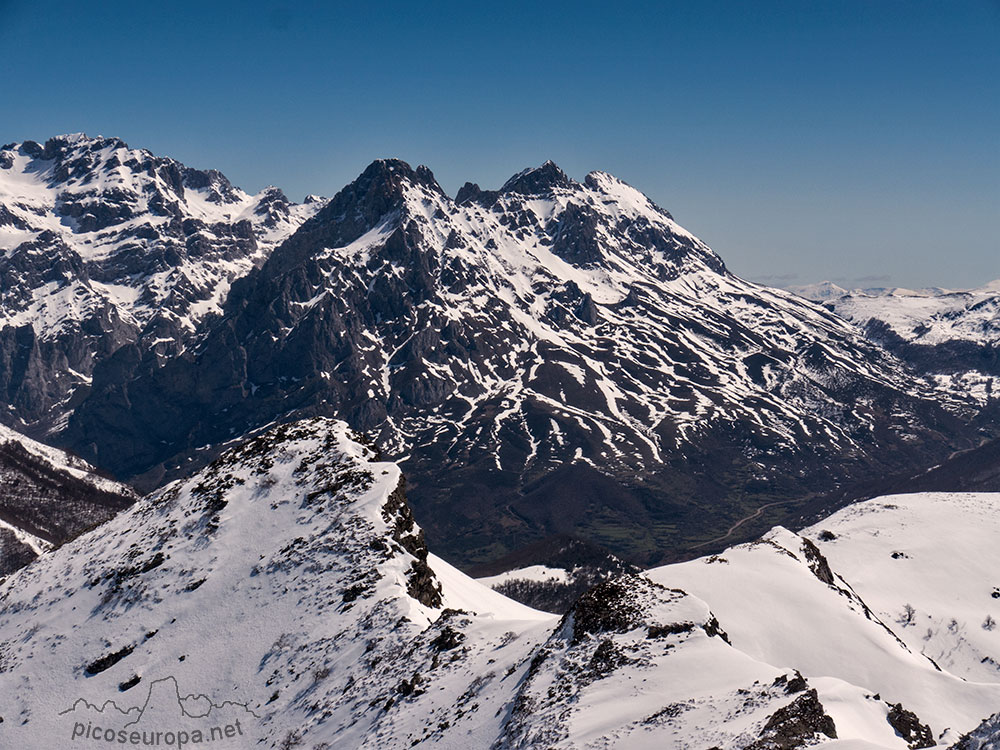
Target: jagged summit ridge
{"x":79,"y":161}
{"x":104,"y":246}
{"x":514,"y":341}
{"x":537,"y":180}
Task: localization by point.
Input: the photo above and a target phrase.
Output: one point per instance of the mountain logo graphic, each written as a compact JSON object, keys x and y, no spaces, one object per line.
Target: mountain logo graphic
{"x":165,"y":719}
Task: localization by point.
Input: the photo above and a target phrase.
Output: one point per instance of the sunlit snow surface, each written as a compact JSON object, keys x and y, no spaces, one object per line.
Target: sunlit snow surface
{"x":32,"y":193}
{"x":935,"y":552}
{"x":929,"y":316}
{"x":283,"y":576}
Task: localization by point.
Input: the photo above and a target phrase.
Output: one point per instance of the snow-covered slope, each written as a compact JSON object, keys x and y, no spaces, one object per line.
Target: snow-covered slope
{"x":891,"y":549}
{"x":928,"y":317}
{"x":554,"y":356}
{"x":48,"y":496}
{"x":288,"y":577}
{"x":284,"y":595}
{"x":835,"y":602}
{"x":103,"y":245}
{"x":952,"y":336}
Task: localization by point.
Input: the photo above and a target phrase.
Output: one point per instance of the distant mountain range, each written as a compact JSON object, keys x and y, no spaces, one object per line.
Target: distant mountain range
{"x":552,"y":357}
{"x":952,"y":335}
{"x":103,"y":246}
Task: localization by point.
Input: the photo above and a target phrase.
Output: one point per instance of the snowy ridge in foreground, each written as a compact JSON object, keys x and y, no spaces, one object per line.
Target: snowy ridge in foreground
{"x":287,"y":588}
{"x":287,"y":577}
{"x":782,"y":602}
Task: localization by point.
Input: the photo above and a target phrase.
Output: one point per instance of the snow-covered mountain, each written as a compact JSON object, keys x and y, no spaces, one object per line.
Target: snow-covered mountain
{"x":284,"y":597}
{"x":819,"y":291}
{"x":551,"y":357}
{"x":952,"y":336}
{"x":287,"y":579}
{"x":927,"y":317}
{"x":102,"y":245}
{"x":48,"y":497}
{"x":890,"y":595}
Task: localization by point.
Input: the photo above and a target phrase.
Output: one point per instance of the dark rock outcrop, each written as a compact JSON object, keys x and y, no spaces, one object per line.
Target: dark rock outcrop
{"x":908,"y":726}
{"x":796,"y":725}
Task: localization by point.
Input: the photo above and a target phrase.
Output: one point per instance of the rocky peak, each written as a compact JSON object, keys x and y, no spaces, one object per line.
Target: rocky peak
{"x":375,"y":197}
{"x":395,"y":173}
{"x":622,"y":192}
{"x":104,"y":244}
{"x":377,"y":191}
{"x":217,"y":186}
{"x":468,"y":193}
{"x":93,"y":164}
{"x":537,"y":180}
{"x":272,"y":206}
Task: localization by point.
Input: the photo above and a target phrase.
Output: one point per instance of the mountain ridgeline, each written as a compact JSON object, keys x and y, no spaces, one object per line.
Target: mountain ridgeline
{"x":103,"y":247}
{"x":287,"y":586}
{"x":47,"y":498}
{"x":552,"y":357}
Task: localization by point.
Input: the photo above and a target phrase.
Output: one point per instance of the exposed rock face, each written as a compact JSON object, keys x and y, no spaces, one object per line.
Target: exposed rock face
{"x":573,"y":566}
{"x":14,"y":553}
{"x":614,"y":606}
{"x":421,"y":583}
{"x":817,"y":563}
{"x":48,"y":498}
{"x":984,"y":737}
{"x":796,"y":725}
{"x":908,"y":726}
{"x":552,"y":357}
{"x":105,"y":246}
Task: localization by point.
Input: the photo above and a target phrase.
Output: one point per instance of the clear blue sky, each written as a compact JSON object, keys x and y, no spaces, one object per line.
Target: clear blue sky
{"x":857,"y":140}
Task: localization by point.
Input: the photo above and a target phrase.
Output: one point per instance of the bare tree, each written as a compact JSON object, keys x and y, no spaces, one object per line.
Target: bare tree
{"x":908,"y":615}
